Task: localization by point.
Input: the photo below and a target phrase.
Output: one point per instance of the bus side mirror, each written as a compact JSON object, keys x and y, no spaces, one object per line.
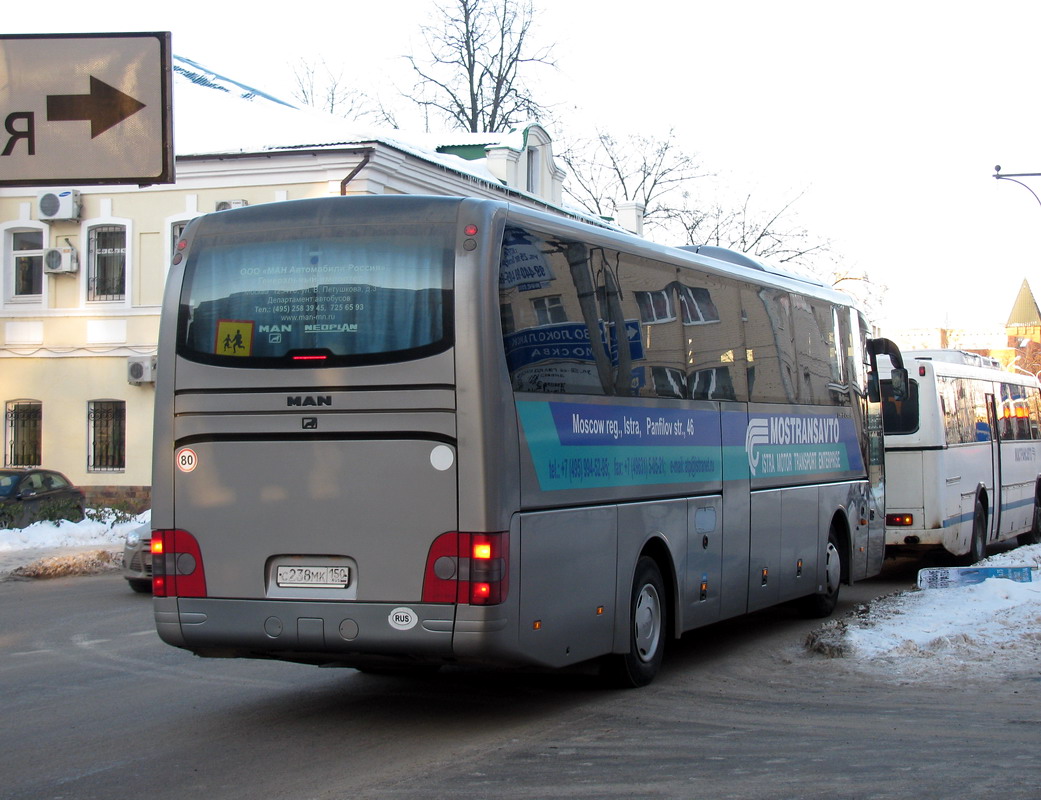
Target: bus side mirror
{"x":898,"y":381}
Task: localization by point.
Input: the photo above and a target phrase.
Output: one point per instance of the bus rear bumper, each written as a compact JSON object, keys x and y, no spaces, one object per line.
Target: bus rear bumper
{"x":953,"y":540}
{"x":312,"y":632}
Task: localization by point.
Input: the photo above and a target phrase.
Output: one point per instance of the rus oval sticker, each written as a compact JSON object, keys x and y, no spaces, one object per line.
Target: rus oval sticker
{"x":403,"y":618}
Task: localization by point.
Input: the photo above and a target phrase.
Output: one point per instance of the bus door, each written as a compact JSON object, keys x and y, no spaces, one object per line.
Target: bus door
{"x":995,"y":470}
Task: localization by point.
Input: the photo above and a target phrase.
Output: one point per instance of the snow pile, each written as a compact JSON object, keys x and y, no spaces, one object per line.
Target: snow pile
{"x":986,"y":630}
{"x":86,"y":563}
{"x":46,"y":535}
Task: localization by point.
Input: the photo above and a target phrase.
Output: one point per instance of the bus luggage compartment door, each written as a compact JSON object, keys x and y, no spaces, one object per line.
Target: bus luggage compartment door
{"x":567,"y":593}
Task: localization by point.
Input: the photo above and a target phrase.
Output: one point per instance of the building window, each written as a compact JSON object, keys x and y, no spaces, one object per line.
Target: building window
{"x":23,"y":428}
{"x":534,"y":168}
{"x":27,"y":258}
{"x":106,"y":278}
{"x":669,"y":382}
{"x":107,"y":423}
{"x":697,"y":306}
{"x":549,"y":309}
{"x":655,"y":307}
{"x":712,"y":384}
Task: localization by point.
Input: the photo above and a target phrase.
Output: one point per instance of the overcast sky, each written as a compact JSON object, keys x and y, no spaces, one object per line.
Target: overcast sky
{"x":888,"y":118}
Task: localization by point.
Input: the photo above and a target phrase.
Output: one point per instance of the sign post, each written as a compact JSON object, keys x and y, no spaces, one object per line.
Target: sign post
{"x":86,"y":109}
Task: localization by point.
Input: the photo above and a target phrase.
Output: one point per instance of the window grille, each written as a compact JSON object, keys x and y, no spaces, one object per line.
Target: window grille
{"x":107,"y":447}
{"x":106,"y":279}
{"x":23,"y":427}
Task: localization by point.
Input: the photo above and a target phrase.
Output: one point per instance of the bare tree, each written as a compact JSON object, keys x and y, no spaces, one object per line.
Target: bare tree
{"x":317,"y":86}
{"x":606,"y":171}
{"x":478,"y":50}
{"x":768,"y":236}
{"x":655,"y":171}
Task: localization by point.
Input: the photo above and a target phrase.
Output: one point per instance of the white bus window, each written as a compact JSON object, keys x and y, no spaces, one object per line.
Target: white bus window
{"x":900,"y":416}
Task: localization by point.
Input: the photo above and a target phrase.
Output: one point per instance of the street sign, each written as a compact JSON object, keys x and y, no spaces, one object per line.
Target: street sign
{"x":85,"y":108}
{"x":949,"y":577}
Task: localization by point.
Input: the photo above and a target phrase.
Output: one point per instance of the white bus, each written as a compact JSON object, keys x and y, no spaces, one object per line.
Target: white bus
{"x":963,"y":456}
{"x":412,"y":431}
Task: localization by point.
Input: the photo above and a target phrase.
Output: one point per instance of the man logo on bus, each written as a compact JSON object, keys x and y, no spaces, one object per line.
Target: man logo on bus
{"x":757,"y":433}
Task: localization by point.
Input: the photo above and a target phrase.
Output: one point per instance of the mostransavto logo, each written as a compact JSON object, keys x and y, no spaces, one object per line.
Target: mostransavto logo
{"x":787,"y":430}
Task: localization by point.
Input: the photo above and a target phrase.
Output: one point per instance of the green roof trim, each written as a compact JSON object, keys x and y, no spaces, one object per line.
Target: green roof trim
{"x":468,"y":152}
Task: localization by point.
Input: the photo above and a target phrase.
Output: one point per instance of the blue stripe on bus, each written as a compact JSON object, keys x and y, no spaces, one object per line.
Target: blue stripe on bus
{"x":587,"y":446}
{"x":958,"y":519}
{"x":577,"y":445}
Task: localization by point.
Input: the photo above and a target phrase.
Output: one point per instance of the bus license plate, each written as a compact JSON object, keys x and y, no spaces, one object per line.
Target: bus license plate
{"x":313,"y":577}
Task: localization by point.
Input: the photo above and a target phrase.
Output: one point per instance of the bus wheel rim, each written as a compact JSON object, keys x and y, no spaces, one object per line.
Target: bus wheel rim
{"x":647,"y":622}
{"x":832,"y":568}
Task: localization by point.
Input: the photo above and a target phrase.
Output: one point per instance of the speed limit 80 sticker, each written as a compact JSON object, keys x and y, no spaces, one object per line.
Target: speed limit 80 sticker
{"x":187,"y":460}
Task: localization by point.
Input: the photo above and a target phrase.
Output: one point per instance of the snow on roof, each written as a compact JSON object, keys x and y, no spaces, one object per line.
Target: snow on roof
{"x":215,"y":115}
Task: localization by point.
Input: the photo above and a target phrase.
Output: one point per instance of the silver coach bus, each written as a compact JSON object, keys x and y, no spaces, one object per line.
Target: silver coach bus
{"x":396,"y":431}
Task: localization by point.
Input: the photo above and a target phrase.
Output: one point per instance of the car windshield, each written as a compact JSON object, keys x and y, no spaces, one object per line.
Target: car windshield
{"x":8,"y":482}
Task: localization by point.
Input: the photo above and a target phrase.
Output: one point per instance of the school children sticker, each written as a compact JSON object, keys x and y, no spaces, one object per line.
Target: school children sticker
{"x":234,"y":337}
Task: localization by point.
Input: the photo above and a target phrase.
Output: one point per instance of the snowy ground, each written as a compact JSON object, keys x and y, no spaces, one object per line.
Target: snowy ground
{"x":987,"y":630}
{"x":990,"y":630}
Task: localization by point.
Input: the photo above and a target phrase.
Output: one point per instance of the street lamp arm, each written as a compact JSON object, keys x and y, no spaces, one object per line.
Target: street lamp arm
{"x":1012,"y":177}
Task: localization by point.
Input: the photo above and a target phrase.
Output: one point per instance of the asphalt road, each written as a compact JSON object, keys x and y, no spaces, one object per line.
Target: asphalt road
{"x":95,"y":706}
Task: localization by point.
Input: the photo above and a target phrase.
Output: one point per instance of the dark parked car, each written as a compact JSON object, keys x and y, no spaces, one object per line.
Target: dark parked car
{"x":29,"y":495}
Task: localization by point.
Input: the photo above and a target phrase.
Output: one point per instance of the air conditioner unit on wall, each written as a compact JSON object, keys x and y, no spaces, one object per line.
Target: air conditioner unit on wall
{"x":224,"y":205}
{"x":58,"y":204}
{"x":141,"y":369}
{"x":60,"y":260}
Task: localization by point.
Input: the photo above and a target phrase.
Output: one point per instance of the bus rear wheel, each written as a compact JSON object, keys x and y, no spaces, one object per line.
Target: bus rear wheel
{"x":822,"y":604}
{"x":978,"y":545}
{"x":647,"y":615}
{"x":1033,"y":536}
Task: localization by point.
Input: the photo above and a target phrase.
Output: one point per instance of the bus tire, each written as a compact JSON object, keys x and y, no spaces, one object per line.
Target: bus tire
{"x":1033,"y":536}
{"x":822,"y":604}
{"x":978,"y":545}
{"x":647,"y":617}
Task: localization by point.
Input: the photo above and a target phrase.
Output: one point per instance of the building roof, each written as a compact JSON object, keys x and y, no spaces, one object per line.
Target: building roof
{"x":1024,"y":312}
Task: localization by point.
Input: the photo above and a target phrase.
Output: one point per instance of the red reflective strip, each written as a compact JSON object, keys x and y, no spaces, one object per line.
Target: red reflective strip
{"x":445,"y":548}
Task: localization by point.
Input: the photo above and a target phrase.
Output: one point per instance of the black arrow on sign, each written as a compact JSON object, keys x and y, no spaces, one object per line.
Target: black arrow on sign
{"x":104,"y":107}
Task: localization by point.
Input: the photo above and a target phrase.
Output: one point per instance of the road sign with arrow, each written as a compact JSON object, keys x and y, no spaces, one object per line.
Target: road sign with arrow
{"x":85,"y":109}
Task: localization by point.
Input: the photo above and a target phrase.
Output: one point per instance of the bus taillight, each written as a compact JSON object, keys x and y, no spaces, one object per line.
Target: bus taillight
{"x":488,"y":573}
{"x":899,"y":520}
{"x":177,"y":565}
{"x":467,"y":568}
{"x":440,"y":579}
